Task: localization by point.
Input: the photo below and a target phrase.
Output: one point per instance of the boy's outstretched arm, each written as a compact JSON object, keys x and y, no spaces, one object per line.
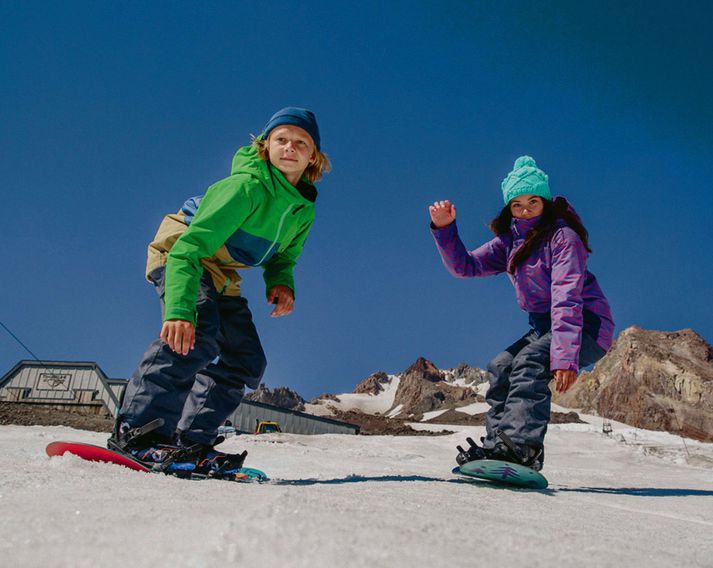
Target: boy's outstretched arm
{"x":278,"y":274}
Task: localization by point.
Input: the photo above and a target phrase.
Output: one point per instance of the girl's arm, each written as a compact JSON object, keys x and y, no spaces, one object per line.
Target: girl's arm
{"x":569,"y":267}
{"x":486,"y":260}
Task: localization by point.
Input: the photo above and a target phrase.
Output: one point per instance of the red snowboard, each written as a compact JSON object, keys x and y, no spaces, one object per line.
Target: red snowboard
{"x":91,"y":452}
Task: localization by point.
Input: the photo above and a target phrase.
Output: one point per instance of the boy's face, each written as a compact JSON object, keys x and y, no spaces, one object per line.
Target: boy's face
{"x":291,"y":150}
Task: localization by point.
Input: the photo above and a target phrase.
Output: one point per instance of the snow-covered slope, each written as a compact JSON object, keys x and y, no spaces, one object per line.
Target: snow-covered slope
{"x":353,"y":501}
{"x":368,"y":403}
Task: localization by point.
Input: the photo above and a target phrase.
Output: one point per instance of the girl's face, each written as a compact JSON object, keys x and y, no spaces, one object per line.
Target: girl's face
{"x":526,"y":206}
{"x":291,"y":150}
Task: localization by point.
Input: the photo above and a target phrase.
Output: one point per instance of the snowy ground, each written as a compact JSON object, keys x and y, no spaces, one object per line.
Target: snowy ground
{"x":636,"y":498}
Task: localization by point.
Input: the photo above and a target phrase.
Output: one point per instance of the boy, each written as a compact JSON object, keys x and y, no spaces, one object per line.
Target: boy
{"x":258,"y":216}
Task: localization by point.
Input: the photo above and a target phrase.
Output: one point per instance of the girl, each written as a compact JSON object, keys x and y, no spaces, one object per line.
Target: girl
{"x":193,"y":377}
{"x":542,"y":245}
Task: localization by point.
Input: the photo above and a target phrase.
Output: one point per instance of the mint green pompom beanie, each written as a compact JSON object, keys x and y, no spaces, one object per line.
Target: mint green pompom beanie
{"x":524,"y":178}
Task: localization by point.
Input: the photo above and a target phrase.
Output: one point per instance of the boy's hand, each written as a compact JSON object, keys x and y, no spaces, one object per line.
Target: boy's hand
{"x":179,"y":335}
{"x":443,"y":213}
{"x":564,"y":379}
{"x":283,"y":297}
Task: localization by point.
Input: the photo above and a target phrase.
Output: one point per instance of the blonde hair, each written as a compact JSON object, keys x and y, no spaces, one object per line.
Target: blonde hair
{"x":318,"y":166}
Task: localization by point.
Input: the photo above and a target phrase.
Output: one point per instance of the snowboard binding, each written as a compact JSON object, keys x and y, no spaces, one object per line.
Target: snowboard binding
{"x":505,"y":450}
{"x":474,"y":452}
{"x":124,"y":437}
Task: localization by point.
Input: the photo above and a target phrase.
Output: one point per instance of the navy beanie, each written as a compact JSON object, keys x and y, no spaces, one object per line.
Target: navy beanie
{"x":297,"y":117}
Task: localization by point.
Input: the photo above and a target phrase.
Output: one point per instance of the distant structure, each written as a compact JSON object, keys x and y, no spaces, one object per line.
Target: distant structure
{"x":82,"y":387}
{"x":79,"y":386}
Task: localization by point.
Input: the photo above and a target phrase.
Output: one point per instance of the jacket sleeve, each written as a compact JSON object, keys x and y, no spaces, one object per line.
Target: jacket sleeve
{"x":279,"y":269}
{"x":222,"y":210}
{"x":569,"y":267}
{"x":486,"y":260}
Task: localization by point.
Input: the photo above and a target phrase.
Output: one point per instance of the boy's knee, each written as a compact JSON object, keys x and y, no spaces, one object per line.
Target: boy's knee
{"x":255,"y":370}
{"x":261,"y":365}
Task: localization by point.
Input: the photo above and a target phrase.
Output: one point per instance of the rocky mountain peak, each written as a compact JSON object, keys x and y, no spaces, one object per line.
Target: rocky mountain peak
{"x":372,"y":384}
{"x":658,"y":380}
{"x":280,"y":396}
{"x":424,"y":369}
{"x":422,"y":388}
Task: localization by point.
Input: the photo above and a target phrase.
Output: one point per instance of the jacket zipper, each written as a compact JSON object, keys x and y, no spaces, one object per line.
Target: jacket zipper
{"x":277,"y":235}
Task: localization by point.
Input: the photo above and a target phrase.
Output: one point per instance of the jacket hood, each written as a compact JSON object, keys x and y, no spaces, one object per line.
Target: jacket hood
{"x":247,"y":161}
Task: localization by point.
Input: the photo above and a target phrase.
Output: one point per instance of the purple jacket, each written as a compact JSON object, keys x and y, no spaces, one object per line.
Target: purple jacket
{"x":554,"y":280}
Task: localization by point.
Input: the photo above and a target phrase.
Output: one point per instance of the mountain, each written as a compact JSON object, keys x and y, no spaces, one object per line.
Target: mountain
{"x":424,"y":388}
{"x":656,"y":380}
{"x":280,"y":396}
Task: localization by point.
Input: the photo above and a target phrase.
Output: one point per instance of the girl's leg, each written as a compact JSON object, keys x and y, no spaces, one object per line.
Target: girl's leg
{"x":528,"y":404}
{"x":160,"y":385}
{"x":500,"y":368}
{"x":219,"y":387}
{"x":527,"y":407}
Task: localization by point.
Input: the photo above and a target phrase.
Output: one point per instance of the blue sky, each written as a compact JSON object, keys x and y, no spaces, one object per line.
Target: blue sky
{"x":112,"y":114}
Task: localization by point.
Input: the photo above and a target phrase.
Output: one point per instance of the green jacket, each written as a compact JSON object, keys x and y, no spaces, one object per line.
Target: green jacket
{"x":255,"y":217}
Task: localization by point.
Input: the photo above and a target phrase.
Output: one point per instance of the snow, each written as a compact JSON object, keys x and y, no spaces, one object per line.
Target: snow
{"x":474,"y":408}
{"x":634,"y":498}
{"x":433,"y":414}
{"x":368,"y":403}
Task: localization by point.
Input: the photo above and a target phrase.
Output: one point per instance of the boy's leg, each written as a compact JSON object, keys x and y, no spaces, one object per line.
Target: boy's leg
{"x":499,"y":369}
{"x":219,"y":387}
{"x":160,"y":385}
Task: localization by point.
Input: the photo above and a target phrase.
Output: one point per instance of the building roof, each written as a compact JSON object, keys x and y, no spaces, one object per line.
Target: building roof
{"x":66,"y":365}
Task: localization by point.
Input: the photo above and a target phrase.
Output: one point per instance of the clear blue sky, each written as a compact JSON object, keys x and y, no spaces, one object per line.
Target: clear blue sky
{"x":113,"y":113}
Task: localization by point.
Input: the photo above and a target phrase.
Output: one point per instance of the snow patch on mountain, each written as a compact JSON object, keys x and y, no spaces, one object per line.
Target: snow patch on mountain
{"x":368,"y":403}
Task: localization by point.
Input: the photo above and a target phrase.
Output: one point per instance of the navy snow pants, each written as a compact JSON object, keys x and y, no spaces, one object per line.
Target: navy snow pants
{"x":196,"y":393}
{"x":519,"y":395}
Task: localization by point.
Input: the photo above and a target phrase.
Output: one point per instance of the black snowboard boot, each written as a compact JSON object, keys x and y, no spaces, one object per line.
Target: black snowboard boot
{"x":522,"y":454}
{"x":126,"y":437}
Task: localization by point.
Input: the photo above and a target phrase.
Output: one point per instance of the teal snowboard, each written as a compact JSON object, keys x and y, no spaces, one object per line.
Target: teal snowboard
{"x":502,"y":472}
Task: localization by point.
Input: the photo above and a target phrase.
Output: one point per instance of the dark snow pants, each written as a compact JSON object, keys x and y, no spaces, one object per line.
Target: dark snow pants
{"x":519,"y":395}
{"x":196,"y":393}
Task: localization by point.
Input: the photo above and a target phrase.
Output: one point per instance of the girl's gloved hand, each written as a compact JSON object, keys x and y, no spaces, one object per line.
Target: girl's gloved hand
{"x":443,"y":213}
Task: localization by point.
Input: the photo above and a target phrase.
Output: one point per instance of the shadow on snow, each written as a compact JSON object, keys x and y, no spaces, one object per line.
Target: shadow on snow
{"x":640,"y":491}
{"x":633,"y":491}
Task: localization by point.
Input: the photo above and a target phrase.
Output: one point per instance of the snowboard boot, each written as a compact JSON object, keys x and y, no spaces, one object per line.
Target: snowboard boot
{"x":151,"y":448}
{"x":474,"y":452}
{"x":125,"y":437}
{"x":523,"y":454}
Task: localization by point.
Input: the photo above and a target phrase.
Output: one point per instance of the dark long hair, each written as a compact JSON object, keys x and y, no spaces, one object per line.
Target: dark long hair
{"x":553,"y":210}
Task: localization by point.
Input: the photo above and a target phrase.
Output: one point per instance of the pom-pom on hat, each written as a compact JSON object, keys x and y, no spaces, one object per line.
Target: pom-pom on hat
{"x":295,"y":116}
{"x":525,"y":178}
